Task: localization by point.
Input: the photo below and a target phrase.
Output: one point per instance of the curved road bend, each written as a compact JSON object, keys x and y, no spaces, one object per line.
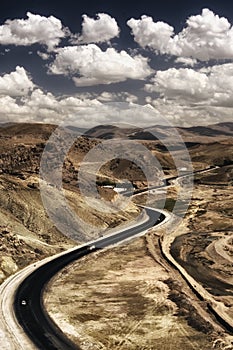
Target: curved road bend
{"x":28,"y":304}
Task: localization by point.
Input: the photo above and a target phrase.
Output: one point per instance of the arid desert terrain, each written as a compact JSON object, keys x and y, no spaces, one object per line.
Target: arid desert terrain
{"x":132,"y":296}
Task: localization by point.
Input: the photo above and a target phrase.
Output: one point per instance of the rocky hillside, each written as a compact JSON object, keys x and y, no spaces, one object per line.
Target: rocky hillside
{"x":26,"y":232}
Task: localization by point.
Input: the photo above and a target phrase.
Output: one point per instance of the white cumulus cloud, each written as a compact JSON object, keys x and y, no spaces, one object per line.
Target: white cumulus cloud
{"x":99,"y":30}
{"x":194,"y":96}
{"x":89,"y":65}
{"x":39,"y":106}
{"x":155,"y":35}
{"x":206,"y":36}
{"x":88,"y":112}
{"x":35,"y":29}
{"x":184,"y":82}
{"x":17,"y":83}
{"x":211,"y":85}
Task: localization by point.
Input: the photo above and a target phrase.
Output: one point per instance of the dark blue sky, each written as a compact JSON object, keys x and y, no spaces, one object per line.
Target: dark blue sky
{"x":70,"y":11}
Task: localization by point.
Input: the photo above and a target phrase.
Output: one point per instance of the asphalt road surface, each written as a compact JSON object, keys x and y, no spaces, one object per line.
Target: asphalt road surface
{"x":28,"y":303}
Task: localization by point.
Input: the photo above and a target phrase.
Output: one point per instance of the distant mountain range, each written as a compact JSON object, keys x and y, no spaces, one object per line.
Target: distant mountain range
{"x":158,"y":132}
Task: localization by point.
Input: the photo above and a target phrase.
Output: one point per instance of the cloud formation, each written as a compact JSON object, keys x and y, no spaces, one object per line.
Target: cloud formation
{"x":193,"y":96}
{"x":181,"y":114}
{"x":185,"y":93}
{"x":210,"y":86}
{"x":17,"y":83}
{"x":46,"y":108}
{"x":35,"y":29}
{"x":44,"y":55}
{"x":22,"y":101}
{"x":186,"y":61}
{"x":116,"y":97}
{"x":99,"y":30}
{"x":186,"y":97}
{"x":89,"y":65}
{"x":206,"y":36}
{"x":184,"y":83}
{"x":147,"y":33}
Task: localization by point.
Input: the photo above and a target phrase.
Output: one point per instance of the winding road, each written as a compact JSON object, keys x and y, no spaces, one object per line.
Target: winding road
{"x":28,"y":313}
{"x":21,"y":295}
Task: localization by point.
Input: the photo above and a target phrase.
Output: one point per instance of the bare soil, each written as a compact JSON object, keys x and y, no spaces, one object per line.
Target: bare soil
{"x":126,"y":300}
